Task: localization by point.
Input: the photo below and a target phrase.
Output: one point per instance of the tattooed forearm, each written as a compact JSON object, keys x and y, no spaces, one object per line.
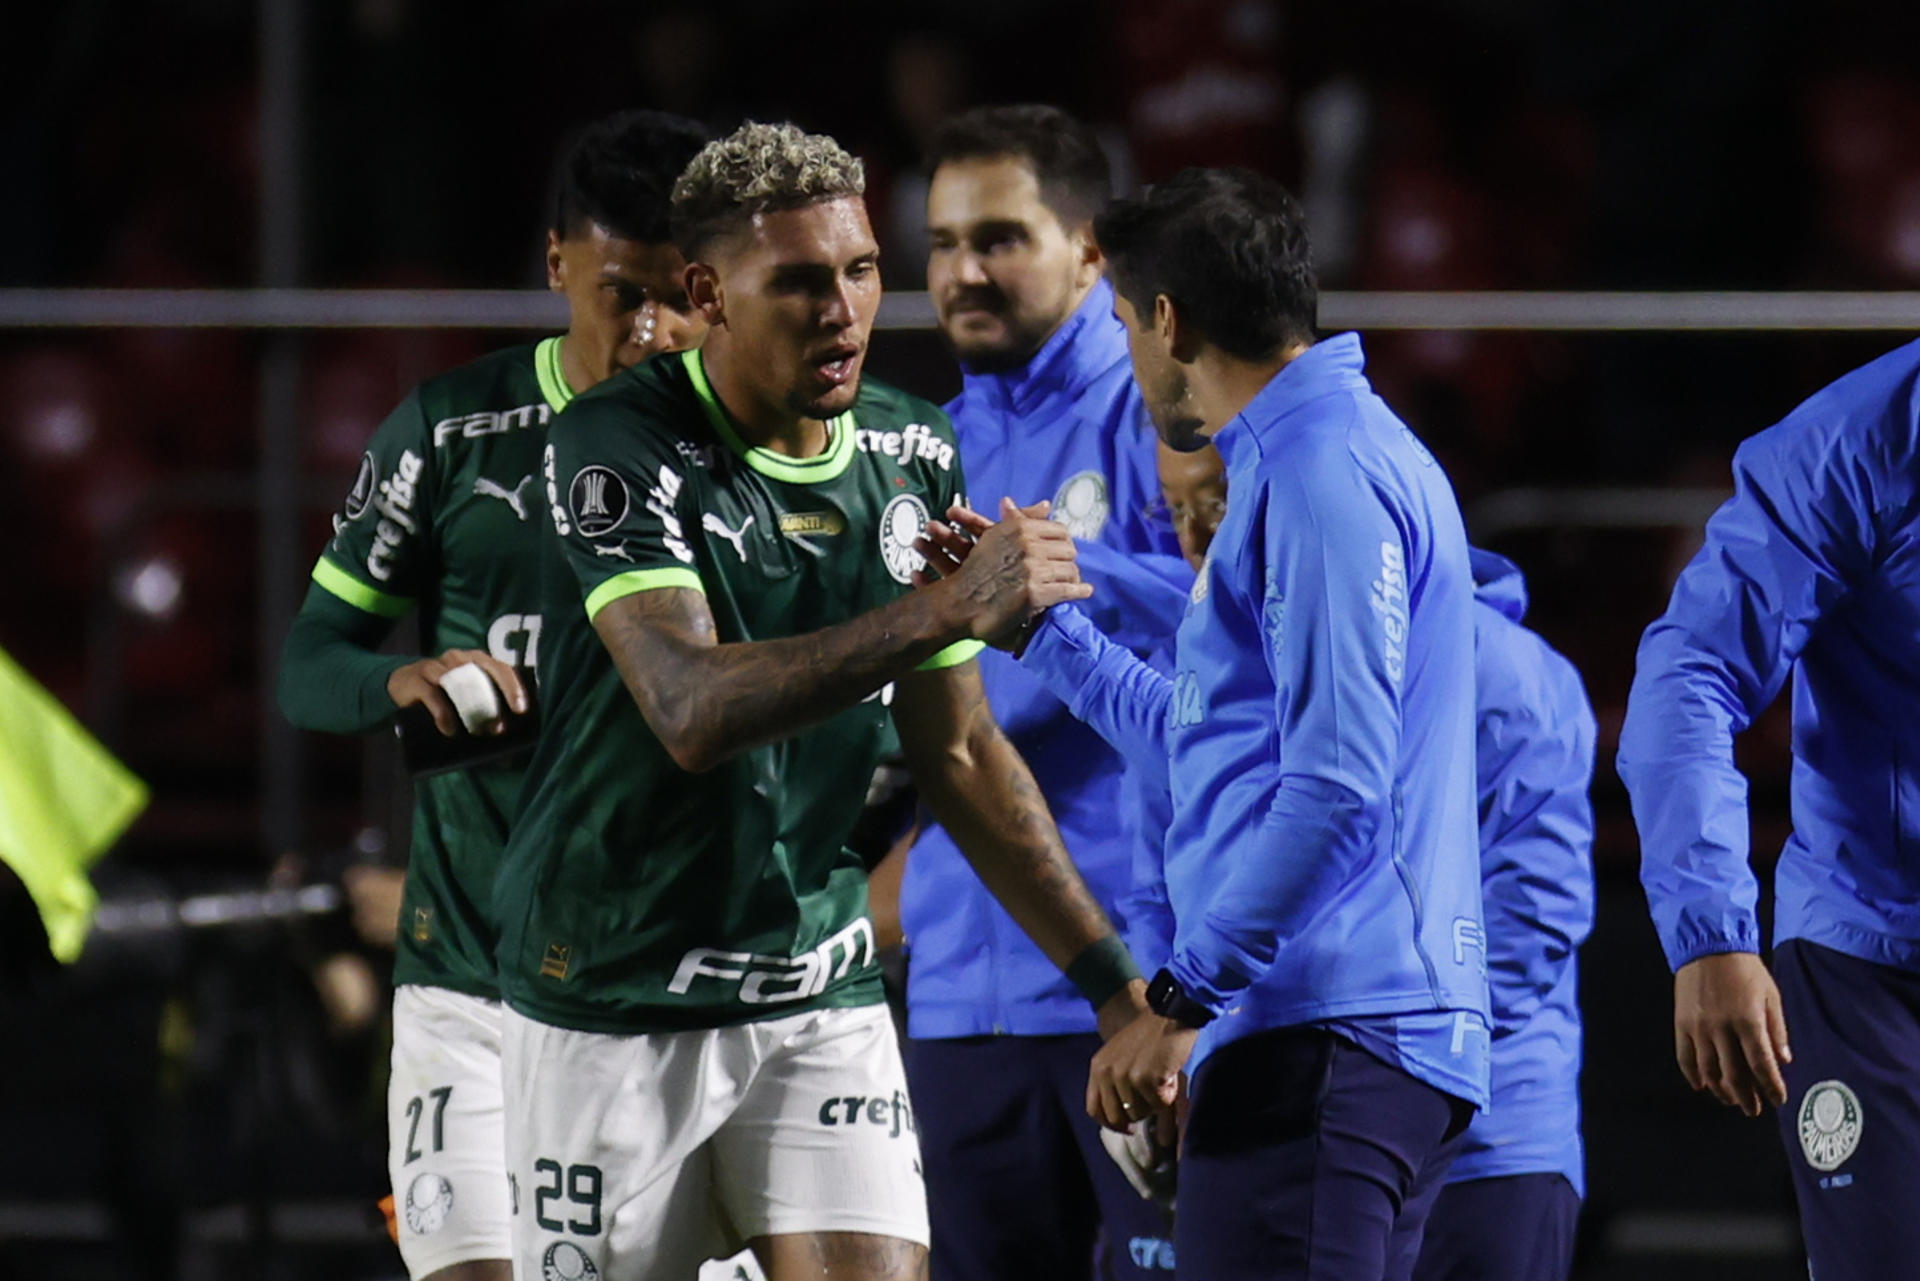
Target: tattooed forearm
{"x":708,"y":701}
{"x":978,"y":786}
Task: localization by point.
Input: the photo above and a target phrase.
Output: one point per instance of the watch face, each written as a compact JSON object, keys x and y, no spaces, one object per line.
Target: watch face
{"x":1162,"y":992}
{"x":1169,"y":1000}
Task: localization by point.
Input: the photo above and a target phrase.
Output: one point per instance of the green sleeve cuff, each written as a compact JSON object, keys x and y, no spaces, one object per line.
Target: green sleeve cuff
{"x":356,"y":593}
{"x":952,"y":656}
{"x":1103,"y":970}
{"x":332,"y":677}
{"x":640,"y":580}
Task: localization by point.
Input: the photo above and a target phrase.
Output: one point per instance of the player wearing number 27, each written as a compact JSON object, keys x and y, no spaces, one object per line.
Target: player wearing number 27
{"x":1811,"y":569}
{"x":696,"y":1051}
{"x":445,"y":518}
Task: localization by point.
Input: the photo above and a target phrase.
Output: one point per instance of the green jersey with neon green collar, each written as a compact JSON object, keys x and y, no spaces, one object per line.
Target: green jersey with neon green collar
{"x":635,"y":896}
{"x":445,"y":517}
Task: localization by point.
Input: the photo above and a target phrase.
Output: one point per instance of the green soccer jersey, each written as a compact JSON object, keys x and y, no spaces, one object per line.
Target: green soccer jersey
{"x":445,"y":516}
{"x":635,"y":896}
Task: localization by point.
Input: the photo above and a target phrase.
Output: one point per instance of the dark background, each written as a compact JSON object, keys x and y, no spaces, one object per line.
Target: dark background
{"x":178,"y":1107}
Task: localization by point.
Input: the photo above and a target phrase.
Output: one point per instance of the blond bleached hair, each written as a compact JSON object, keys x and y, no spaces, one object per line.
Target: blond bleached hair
{"x":756,"y":169}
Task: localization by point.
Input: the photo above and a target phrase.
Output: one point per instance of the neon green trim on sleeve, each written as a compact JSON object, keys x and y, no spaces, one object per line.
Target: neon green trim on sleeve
{"x":356,"y":593}
{"x":795,"y":471}
{"x":952,"y":656}
{"x":640,"y":580}
{"x":553,"y":379}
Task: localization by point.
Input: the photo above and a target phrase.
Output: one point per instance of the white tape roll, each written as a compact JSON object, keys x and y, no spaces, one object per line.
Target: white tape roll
{"x":474,"y":696}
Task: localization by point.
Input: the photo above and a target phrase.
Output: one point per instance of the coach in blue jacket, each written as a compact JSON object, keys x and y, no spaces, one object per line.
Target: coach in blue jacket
{"x":1327,"y":987}
{"x":1811,"y":569}
{"x":1512,"y":1196}
{"x":1017,"y":1182}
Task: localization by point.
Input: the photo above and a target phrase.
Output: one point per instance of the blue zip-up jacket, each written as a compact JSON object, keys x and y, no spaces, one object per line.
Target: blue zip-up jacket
{"x":1322,"y":863}
{"x":1067,"y":426}
{"x":1534,"y":744}
{"x":1533,"y":753}
{"x":1812,"y":568}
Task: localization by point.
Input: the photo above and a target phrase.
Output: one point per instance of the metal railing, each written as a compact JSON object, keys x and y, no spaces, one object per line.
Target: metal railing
{"x":519,"y":309}
{"x":1507,"y":511}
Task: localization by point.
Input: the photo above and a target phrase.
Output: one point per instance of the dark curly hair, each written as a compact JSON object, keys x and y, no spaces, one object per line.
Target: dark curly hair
{"x":1229,"y":246}
{"x":620,"y":173}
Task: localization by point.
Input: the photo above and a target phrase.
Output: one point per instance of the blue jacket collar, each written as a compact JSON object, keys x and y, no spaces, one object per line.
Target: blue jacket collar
{"x":1498,"y":582}
{"x":1085,"y":346}
{"x":1330,"y":365}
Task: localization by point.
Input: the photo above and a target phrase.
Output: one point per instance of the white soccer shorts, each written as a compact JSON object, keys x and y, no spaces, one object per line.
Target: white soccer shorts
{"x":644,"y":1156}
{"x":446,"y":1142}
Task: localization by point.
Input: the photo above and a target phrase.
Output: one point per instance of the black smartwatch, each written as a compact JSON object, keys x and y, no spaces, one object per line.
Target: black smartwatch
{"x":1169,"y":1000}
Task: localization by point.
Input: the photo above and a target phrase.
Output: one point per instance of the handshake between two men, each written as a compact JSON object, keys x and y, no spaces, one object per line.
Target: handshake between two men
{"x":1135,"y":1082}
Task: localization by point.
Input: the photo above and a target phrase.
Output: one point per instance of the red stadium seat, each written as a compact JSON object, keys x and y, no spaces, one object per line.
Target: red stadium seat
{"x":1204,"y":85}
{"x":58,"y":406}
{"x":66,"y":428}
{"x":1428,"y":230}
{"x":1863,"y":135}
{"x":353,"y":381}
{"x":182,"y":590}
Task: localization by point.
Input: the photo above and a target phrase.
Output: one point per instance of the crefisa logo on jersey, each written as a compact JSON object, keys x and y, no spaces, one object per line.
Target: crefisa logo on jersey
{"x":903,"y":521}
{"x":429,"y":1201}
{"x":393,"y":501}
{"x":565,"y":1261}
{"x":1830,"y":1124}
{"x":917,"y":440}
{"x":598,"y":500}
{"x":1082,"y":505}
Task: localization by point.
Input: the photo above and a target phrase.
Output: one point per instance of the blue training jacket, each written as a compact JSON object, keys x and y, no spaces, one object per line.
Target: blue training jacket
{"x":1534,"y":745}
{"x":1068,"y":426}
{"x":1812,"y":568}
{"x":1322,"y":863}
{"x":1533,"y":753}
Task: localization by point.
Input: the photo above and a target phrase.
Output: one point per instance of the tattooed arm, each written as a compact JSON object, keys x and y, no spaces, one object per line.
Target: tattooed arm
{"x":977,"y":785}
{"x":708,"y":701}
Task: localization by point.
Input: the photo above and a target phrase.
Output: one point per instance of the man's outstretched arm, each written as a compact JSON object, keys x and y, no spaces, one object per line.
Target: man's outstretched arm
{"x":1102,"y":683}
{"x":977,"y":785}
{"x":708,"y":701}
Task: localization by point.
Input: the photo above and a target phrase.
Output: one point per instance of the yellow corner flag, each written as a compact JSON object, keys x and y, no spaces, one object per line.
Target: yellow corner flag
{"x":64,"y":800}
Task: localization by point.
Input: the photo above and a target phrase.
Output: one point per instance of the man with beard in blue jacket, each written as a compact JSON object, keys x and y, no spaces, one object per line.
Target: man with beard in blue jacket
{"x":1811,"y":569}
{"x":1322,"y":865}
{"x":1512,"y":1196}
{"x":1017,"y":1182}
